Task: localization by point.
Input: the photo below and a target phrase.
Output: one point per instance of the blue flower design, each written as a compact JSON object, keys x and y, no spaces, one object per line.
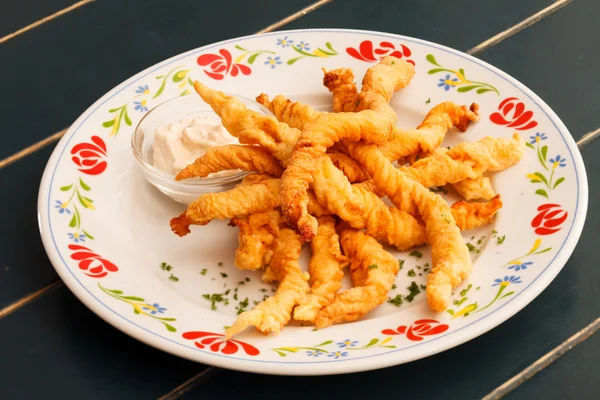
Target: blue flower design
{"x":337,"y":354}
{"x":273,"y":61}
{"x":537,"y":138}
{"x":62,"y":207}
{"x":154,"y":308}
{"x":140,"y":106}
{"x":507,"y":280}
{"x":285,"y":42}
{"x":558,"y":161}
{"x":517,"y":266}
{"x":303,"y":46}
{"x":313,"y":353}
{"x":142,"y":89}
{"x":347,"y":343}
{"x":444,"y":82}
{"x":77,"y":237}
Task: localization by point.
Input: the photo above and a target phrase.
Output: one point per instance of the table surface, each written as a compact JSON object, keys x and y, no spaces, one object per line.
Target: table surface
{"x":59,"y":56}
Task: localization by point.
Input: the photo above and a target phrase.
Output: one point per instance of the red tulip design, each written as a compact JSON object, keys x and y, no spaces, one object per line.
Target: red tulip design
{"x":220,"y":65}
{"x":549,"y":219}
{"x":94,"y":265}
{"x":511,"y":113}
{"x":90,"y":157}
{"x":366,"y":52}
{"x":216,"y":343}
{"x":419,"y":329}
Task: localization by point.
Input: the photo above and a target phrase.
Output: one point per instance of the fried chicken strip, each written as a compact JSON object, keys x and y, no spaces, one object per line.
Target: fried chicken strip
{"x":275,"y":312}
{"x":325,"y":269}
{"x":256,"y":238}
{"x":374,"y":125}
{"x":479,"y":188}
{"x":232,"y":157}
{"x":379,"y":266}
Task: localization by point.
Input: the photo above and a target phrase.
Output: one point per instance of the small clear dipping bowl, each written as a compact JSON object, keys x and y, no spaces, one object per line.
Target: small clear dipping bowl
{"x":174,"y":110}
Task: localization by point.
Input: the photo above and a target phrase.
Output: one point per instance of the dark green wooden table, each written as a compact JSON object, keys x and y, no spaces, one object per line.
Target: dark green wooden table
{"x":58,"y":56}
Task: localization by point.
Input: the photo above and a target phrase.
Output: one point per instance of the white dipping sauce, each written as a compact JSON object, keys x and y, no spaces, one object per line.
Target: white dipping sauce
{"x":178,"y":144}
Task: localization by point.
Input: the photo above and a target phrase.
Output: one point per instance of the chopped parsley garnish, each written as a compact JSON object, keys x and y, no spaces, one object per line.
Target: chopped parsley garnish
{"x":501,"y":239}
{"x":397,"y":301}
{"x":494,"y":232}
{"x":472,"y":248}
{"x":235,"y":296}
{"x":373,"y":266}
{"x":247,"y":279}
{"x":480,"y":240}
{"x":394,"y":286}
{"x":165,"y":267}
{"x":465,"y":290}
{"x":173,"y":278}
{"x":256,"y":302}
{"x":273,"y":290}
{"x":203,"y":272}
{"x":423,"y":287}
{"x":263,"y":290}
{"x":220,"y":264}
{"x":401,"y":263}
{"x":227,"y":292}
{"x":416,"y":253}
{"x":224,"y":275}
{"x":241,"y":283}
{"x":414,"y":290}
{"x":214,"y":299}
{"x":412,"y":273}
{"x":428,"y":100}
{"x":242,"y":306}
{"x":226,"y":327}
{"x":393,"y":62}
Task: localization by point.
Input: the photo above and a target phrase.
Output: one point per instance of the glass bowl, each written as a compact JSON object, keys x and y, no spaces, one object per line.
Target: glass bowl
{"x":174,"y":110}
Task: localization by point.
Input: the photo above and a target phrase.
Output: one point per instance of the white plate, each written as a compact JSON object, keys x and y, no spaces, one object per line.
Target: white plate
{"x":117,"y":274}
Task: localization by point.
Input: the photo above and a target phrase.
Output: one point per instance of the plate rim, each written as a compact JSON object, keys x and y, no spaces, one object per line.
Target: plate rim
{"x":467,"y":332}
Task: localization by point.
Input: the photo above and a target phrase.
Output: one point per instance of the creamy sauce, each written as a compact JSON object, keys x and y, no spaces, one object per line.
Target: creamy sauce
{"x":178,"y":144}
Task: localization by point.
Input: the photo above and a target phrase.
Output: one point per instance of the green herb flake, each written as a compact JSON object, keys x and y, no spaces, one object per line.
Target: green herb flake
{"x":472,"y":248}
{"x":373,"y":266}
{"x":423,"y":287}
{"x":263,"y":290}
{"x":428,"y":100}
{"x":224,"y":275}
{"x":220,"y":264}
{"x":204,"y":271}
{"x":494,"y":232}
{"x":411,"y":273}
{"x":226,"y":327}
{"x":227,"y":292}
{"x":501,"y":239}
{"x":393,"y":63}
{"x":235,"y":297}
{"x":400,"y":263}
{"x":206,"y":296}
{"x":416,"y":253}
{"x":394,"y":286}
{"x":397,"y":301}
{"x":173,"y":278}
{"x":242,"y":306}
{"x":256,"y":302}
{"x":247,"y":279}
{"x":241,"y":283}
{"x":414,"y":290}
{"x":480,"y":240}
{"x":165,"y":267}
{"x":464,"y":292}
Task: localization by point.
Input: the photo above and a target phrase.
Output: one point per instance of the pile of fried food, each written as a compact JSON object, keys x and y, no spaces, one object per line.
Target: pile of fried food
{"x":321,"y":177}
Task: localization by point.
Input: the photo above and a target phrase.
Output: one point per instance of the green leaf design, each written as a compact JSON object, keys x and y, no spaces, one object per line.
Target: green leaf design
{"x":543,"y":251}
{"x":65,"y":188}
{"x":252,"y":58}
{"x":126,"y":116}
{"x":466,"y":88}
{"x":462,"y":72}
{"x":432,"y":60}
{"x":327,"y":52}
{"x":330,"y":47}
{"x":507,"y":294}
{"x":88,"y":199}
{"x":84,"y":186}
{"x":135,"y":311}
{"x":302,"y":52}
{"x":190,"y":81}
{"x":372,"y":342}
{"x":293,"y":60}
{"x":159,"y":77}
{"x":325,"y":343}
{"x":168,"y":319}
{"x":544,"y":152}
{"x":541,"y":192}
{"x":115,"y":291}
{"x":558,"y":182}
{"x":87,"y":234}
{"x":527,"y":144}
{"x":160,"y":89}
{"x":281,"y":353}
{"x":108,"y":124}
{"x":132,"y":298}
{"x":179,"y":76}
{"x":436,"y":70}
{"x":483,"y":90}
{"x":170,"y":328}
{"x":115,"y":109}
{"x":240,"y":48}
{"x":542,"y":177}
{"x":73,"y":222}
{"x":461,"y":301}
{"x":80,"y":198}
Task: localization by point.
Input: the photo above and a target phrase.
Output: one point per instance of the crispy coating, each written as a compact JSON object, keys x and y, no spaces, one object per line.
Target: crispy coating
{"x":232,"y":157}
{"x":340,"y":83}
{"x":250,"y":127}
{"x":352,"y":169}
{"x":325,"y":269}
{"x":379,"y":266}
{"x":361,"y":208}
{"x":479,"y":188}
{"x":256,"y":239}
{"x":243,"y":200}
{"x":374,"y":125}
{"x":295,"y":114}
{"x":275,"y":312}
{"x":451,"y":260}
